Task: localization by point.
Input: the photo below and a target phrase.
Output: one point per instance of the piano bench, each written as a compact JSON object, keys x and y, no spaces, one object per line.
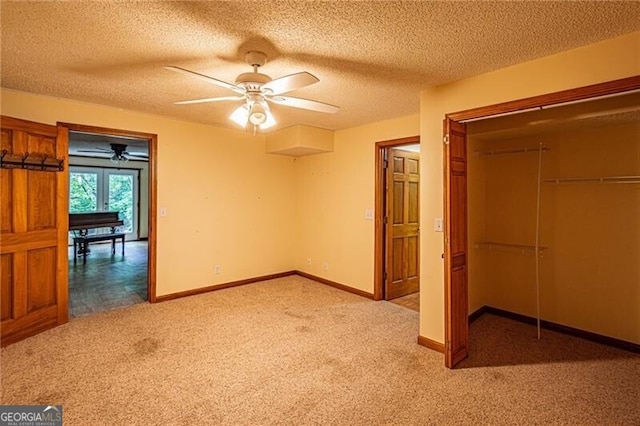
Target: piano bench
{"x":81,"y":244}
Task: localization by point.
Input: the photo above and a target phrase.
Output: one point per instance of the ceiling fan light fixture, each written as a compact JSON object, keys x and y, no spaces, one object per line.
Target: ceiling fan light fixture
{"x":240,"y":116}
{"x":270,"y":121}
{"x":257,"y":115}
{"x":118,"y":158}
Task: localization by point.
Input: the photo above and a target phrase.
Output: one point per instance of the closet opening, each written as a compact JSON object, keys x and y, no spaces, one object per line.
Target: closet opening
{"x":542,"y":215}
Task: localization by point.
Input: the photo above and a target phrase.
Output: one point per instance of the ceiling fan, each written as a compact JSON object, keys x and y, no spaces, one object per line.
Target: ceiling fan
{"x":257,"y":90}
{"x":119,"y":152}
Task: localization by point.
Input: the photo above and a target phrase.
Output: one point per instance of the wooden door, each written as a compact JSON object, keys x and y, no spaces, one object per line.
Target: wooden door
{"x":402,"y":267}
{"x":33,"y":230}
{"x":455,"y":253}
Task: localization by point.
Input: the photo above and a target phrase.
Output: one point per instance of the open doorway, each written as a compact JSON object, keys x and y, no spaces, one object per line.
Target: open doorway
{"x":397,"y":230}
{"x":110,"y":176}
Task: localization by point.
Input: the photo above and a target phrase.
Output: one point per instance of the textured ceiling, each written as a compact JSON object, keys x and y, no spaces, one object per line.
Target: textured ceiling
{"x":372,"y":58}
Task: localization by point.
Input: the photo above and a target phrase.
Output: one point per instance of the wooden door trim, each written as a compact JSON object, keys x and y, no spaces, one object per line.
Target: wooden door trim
{"x":62,"y":203}
{"x":521,"y":105}
{"x":378,"y":246}
{"x":152,"y":140}
{"x":570,"y":95}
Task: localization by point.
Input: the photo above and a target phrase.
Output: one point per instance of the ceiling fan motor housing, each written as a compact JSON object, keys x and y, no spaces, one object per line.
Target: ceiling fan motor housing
{"x":118,"y":148}
{"x":252,"y":81}
{"x":255,"y":59}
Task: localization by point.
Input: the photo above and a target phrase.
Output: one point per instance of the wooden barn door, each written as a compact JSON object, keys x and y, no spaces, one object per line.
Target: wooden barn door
{"x":33,"y":226}
{"x":455,"y":253}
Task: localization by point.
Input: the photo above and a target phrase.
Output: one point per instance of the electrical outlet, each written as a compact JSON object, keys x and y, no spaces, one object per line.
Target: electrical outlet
{"x":309,"y":261}
{"x":325,"y":266}
{"x":216,"y":269}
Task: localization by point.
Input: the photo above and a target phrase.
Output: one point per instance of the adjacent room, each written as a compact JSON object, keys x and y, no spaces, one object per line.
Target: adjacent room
{"x":296,"y":212}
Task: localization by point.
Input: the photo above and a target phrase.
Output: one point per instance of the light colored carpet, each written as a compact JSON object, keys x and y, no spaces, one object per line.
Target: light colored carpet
{"x":295,"y":352}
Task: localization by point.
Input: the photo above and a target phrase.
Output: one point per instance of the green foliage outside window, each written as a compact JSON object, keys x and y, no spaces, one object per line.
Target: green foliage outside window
{"x":83,"y":192}
{"x":121,"y":198}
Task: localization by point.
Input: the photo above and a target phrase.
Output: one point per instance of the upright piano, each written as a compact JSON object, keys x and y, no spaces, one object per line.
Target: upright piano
{"x":82,"y":222}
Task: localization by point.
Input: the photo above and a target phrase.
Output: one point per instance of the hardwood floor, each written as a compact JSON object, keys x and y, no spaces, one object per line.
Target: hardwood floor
{"x":410,"y":301}
{"x":107,"y":282}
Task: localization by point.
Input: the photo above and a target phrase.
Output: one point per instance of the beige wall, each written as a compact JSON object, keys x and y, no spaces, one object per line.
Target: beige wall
{"x":604,"y":61}
{"x":228,"y":203}
{"x":231,"y":204}
{"x":333,"y":190}
{"x":590,"y":273}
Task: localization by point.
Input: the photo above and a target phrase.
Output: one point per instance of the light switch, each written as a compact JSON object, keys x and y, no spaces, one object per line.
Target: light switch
{"x":438,"y":225}
{"x":163,"y":211}
{"x":368,"y":214}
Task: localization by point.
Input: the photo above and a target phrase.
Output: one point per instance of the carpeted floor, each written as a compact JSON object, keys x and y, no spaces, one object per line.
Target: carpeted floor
{"x":295,"y":352}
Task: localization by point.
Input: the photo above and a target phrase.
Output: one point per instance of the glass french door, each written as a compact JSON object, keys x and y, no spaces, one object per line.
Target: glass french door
{"x":94,"y":189}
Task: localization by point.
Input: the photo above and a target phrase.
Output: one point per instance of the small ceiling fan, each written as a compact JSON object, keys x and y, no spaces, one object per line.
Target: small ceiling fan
{"x":257,"y":90}
{"x":119,"y":152}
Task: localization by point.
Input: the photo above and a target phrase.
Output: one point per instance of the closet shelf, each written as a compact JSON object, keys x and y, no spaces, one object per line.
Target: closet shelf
{"x":521,"y":248}
{"x":601,"y":180}
{"x":512,"y":151}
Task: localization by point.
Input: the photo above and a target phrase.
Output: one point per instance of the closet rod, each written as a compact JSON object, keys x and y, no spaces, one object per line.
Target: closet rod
{"x":512,"y":150}
{"x":523,"y":248}
{"x":603,"y":180}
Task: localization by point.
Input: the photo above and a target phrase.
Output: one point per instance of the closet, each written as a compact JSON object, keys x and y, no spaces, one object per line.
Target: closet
{"x":554,"y":215}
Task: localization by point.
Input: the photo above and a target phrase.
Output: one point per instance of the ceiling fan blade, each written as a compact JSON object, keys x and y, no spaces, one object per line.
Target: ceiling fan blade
{"x":218,"y":99}
{"x":290,"y":82}
{"x":97,"y":150}
{"x":206,"y":78}
{"x":303,"y":103}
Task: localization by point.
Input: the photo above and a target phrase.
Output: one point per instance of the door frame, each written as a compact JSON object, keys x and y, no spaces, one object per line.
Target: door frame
{"x":152,"y":143}
{"x":382,"y":148}
{"x":584,"y":93}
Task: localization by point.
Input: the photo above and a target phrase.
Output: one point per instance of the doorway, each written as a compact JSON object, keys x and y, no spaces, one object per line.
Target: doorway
{"x":455,"y":165}
{"x":113,"y":170}
{"x":397,"y":219}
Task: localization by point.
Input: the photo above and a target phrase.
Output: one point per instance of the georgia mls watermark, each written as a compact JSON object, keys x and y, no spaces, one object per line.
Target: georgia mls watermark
{"x":30,"y":415}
